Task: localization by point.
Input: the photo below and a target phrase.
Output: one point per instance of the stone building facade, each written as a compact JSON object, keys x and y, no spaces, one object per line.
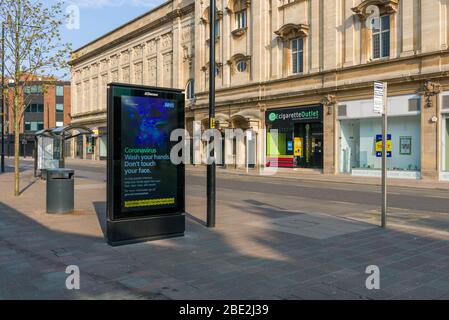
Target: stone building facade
{"x":304,"y":67}
{"x":155,"y":49}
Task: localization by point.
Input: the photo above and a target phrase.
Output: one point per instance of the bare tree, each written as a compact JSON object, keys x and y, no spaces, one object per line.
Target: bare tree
{"x":33,"y":46}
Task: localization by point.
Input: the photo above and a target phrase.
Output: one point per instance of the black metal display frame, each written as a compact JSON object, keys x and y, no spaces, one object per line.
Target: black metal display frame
{"x":140,"y":225}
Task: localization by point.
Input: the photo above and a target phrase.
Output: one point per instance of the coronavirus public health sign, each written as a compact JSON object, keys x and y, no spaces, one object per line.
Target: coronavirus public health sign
{"x":145,"y":189}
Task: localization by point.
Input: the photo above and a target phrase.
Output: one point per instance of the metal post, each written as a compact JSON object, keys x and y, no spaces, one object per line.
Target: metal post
{"x":211,"y":166}
{"x":62,"y":155}
{"x":2,"y":165}
{"x":247,"y":153}
{"x":384,"y":157}
{"x":36,"y":148}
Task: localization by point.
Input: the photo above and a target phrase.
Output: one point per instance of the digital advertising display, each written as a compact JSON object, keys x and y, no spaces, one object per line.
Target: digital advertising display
{"x":149,"y":180}
{"x":142,"y":180}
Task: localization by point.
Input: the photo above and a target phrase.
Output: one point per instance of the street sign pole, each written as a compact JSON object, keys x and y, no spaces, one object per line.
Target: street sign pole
{"x":248,"y":138}
{"x":384,"y":155}
{"x":211,"y":166}
{"x":381,"y":107}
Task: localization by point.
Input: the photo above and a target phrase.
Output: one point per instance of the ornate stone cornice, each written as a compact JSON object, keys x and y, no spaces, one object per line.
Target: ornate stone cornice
{"x":230,"y":7}
{"x":329,"y":100}
{"x":177,"y":13}
{"x":205,"y":68}
{"x":79,"y":56}
{"x":205,"y":18}
{"x":385,"y":7}
{"x":291,"y":30}
{"x":238,"y":57}
{"x":239,"y":32}
{"x":187,"y":55}
{"x":430,"y":89}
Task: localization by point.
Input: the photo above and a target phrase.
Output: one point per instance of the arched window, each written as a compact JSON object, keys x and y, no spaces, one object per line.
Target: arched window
{"x":241,"y":66}
{"x":240,"y":10}
{"x":190,"y":90}
{"x":206,"y":17}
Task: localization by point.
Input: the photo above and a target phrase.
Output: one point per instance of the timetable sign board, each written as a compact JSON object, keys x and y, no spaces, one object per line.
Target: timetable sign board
{"x":380,"y":94}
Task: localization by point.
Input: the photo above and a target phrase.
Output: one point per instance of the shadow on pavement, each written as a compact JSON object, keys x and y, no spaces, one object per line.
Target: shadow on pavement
{"x":30,"y":184}
{"x":224,"y":263}
{"x":100,"y":210}
{"x":196,"y":219}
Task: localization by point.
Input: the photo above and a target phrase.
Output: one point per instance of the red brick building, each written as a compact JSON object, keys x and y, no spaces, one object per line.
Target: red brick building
{"x":48,"y":106}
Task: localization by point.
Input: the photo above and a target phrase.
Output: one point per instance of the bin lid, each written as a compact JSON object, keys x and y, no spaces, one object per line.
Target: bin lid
{"x":60,"y":173}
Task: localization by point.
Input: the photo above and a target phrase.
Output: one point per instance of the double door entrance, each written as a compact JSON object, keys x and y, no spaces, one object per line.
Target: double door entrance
{"x":299,"y":142}
{"x":308,"y":145}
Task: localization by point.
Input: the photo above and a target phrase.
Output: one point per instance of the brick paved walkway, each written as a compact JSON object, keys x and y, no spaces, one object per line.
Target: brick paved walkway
{"x":262,"y":249}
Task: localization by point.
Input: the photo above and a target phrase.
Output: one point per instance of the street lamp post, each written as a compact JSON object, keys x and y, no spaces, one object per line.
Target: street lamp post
{"x":2,"y":165}
{"x":211,"y":166}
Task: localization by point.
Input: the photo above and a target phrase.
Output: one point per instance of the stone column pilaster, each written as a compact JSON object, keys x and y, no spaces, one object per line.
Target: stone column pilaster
{"x":430,"y":130}
{"x":329,"y":127}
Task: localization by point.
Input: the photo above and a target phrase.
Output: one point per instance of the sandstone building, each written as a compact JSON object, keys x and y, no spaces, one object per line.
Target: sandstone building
{"x":304,"y":67}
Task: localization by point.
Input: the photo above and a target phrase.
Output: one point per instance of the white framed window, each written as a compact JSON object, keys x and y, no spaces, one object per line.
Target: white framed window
{"x":241,"y":19}
{"x":297,"y":46}
{"x":190,"y":90}
{"x":381,"y":38}
{"x":59,"y":91}
{"x":217,"y":29}
{"x":241,"y":66}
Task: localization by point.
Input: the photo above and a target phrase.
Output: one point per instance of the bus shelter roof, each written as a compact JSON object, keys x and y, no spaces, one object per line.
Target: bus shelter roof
{"x":67,"y":132}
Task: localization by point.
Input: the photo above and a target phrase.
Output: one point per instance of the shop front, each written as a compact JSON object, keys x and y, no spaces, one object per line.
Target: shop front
{"x":299,"y":140}
{"x":360,"y":138}
{"x":100,"y":143}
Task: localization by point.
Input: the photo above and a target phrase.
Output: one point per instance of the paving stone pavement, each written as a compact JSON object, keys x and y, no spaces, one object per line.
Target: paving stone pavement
{"x":256,"y":252}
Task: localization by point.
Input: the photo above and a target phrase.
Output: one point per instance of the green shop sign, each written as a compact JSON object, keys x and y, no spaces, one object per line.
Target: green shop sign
{"x":299,"y":114}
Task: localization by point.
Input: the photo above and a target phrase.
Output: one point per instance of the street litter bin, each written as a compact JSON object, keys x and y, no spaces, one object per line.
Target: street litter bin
{"x":60,"y":190}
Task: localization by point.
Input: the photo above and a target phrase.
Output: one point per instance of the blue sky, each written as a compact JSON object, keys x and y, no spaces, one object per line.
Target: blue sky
{"x":98,"y":17}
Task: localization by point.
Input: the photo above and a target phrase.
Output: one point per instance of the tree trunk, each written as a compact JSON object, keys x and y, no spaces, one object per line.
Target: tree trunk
{"x":17,"y":118}
{"x":16,"y":158}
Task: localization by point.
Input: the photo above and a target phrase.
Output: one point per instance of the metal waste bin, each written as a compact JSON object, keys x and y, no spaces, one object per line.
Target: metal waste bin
{"x":60,"y":190}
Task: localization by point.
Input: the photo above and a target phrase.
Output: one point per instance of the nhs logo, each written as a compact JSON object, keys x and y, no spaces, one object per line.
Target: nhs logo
{"x":169,"y":105}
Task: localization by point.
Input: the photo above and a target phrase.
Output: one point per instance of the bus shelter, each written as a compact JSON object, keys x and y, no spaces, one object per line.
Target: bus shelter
{"x":49,"y":150}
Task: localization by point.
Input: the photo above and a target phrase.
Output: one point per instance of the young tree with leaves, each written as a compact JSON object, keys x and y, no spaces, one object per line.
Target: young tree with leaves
{"x":33,"y":46}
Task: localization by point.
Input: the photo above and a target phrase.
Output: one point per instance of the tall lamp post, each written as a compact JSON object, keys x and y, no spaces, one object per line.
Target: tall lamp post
{"x":2,"y":165}
{"x":211,"y":166}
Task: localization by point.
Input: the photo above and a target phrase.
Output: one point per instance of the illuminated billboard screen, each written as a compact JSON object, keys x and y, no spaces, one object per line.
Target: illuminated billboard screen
{"x":142,"y":180}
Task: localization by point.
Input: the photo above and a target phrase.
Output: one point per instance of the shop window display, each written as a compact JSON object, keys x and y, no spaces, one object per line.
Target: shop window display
{"x":358,"y":144}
